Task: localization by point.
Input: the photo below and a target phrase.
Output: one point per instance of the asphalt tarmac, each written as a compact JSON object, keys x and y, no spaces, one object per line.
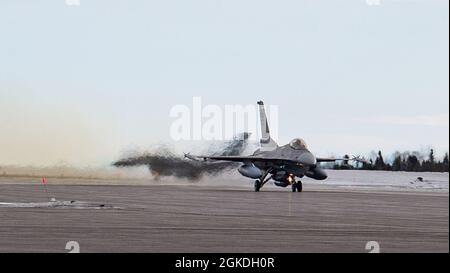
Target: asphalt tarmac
{"x":192,"y":218}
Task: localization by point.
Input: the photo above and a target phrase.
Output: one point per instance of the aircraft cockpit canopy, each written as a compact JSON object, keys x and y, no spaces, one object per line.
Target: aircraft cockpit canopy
{"x":298,"y":144}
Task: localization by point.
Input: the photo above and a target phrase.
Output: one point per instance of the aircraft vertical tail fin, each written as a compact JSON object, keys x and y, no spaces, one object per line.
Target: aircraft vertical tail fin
{"x":267,"y":143}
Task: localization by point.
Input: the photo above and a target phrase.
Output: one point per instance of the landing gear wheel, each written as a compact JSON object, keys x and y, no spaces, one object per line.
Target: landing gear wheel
{"x":257,"y":185}
{"x":299,"y":186}
{"x":294,"y":186}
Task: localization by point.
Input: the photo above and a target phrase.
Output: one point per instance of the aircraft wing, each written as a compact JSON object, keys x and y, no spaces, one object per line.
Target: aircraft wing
{"x":253,"y":159}
{"x":321,"y":159}
{"x":355,"y":158}
{"x":245,"y":159}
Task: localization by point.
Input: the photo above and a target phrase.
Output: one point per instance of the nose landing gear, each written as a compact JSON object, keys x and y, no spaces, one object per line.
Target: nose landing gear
{"x":257,"y":186}
{"x":297,"y":186}
{"x":264,"y":179}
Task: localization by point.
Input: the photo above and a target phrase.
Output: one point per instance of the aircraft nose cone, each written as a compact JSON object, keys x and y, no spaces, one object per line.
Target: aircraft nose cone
{"x":307,"y":159}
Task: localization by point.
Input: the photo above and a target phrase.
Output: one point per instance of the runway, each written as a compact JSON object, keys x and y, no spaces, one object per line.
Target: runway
{"x":192,"y":218}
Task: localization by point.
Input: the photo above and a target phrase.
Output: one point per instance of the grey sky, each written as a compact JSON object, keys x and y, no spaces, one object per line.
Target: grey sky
{"x":81,"y":84}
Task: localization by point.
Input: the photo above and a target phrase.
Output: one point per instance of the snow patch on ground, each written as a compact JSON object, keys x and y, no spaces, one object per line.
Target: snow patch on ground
{"x":337,"y":180}
{"x":58,"y":204}
{"x":383,"y":180}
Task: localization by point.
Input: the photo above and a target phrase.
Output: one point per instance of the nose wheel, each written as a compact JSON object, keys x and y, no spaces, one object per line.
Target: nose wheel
{"x":258,"y":185}
{"x":297,"y":186}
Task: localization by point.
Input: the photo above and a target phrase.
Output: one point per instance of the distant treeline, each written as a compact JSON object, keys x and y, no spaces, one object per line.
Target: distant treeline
{"x":407,"y":162}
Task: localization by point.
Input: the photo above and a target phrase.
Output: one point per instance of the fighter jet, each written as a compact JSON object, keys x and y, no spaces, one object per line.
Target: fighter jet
{"x":286,"y":165}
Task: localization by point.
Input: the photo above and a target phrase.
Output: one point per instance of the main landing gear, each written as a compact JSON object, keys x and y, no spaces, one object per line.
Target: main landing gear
{"x":297,"y":186}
